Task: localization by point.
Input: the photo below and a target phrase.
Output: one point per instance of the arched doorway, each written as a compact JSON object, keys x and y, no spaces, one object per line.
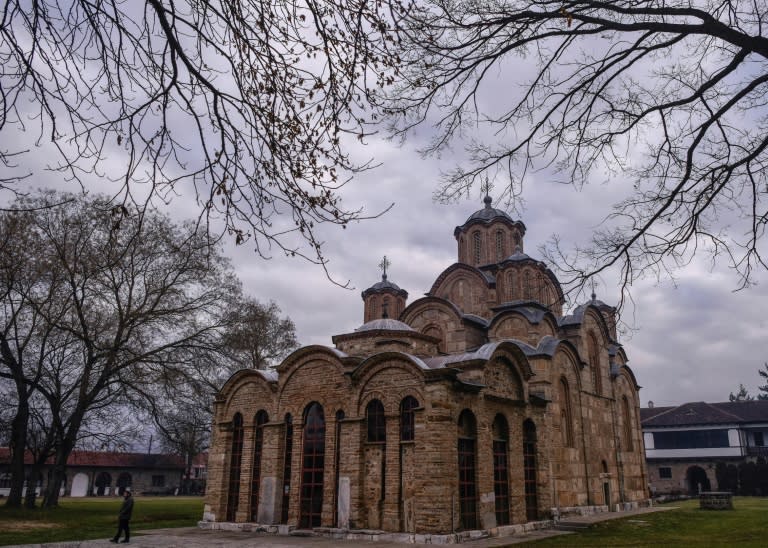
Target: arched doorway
{"x":606,"y":484}
{"x":124,"y":481}
{"x":103,"y":481}
{"x":79,"y":485}
{"x":697,"y":480}
{"x":313,"y":466}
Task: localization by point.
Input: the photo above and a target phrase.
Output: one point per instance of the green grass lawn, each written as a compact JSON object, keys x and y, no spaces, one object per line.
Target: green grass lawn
{"x":744,"y":526}
{"x":89,"y":518}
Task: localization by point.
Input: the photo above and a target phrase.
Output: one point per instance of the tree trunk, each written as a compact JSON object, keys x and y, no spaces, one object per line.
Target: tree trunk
{"x":34,"y":474}
{"x":18,"y":445}
{"x":51,"y":498}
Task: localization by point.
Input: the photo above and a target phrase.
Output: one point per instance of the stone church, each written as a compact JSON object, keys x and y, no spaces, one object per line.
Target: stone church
{"x":475,"y":407}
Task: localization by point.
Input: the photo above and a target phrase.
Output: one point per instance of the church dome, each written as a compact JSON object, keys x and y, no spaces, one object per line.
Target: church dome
{"x":487,"y":213}
{"x":384,"y":324}
{"x":383,"y":285}
{"x":519,"y":256}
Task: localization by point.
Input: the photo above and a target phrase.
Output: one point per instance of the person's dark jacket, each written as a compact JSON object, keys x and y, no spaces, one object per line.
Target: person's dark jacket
{"x":126,"y":509}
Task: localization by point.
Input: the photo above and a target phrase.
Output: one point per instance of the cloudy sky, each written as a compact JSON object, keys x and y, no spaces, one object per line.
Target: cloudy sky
{"x":690,"y":339}
{"x":694,"y":339}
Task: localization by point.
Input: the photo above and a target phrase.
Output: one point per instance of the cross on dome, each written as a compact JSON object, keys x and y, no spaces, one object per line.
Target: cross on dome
{"x":383,"y":265}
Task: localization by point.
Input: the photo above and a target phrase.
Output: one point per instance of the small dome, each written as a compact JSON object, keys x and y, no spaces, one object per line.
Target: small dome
{"x":518,"y":256}
{"x":487,"y":213}
{"x":385,"y":324}
{"x":383,"y":285}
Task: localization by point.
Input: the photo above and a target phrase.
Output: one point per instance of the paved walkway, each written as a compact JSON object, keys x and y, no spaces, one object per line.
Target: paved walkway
{"x":192,"y":537}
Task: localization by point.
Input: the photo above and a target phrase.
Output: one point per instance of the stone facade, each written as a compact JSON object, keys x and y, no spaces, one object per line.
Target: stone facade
{"x":480,"y":407}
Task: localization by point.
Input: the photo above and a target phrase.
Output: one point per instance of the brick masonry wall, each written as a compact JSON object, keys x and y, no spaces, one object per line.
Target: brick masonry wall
{"x":413,"y":486}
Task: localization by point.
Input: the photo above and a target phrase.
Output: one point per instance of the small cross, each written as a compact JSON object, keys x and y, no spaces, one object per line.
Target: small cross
{"x":383,"y":265}
{"x":486,"y":187}
{"x":594,"y":295}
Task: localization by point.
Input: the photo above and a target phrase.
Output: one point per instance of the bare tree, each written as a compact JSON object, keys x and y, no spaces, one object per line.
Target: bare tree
{"x":27,"y":341}
{"x":179,"y":401}
{"x":127,"y":292}
{"x":257,"y":337}
{"x":249,"y":103}
{"x":667,"y":93}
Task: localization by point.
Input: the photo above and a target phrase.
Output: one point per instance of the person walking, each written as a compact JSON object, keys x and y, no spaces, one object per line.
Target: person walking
{"x":124,"y":517}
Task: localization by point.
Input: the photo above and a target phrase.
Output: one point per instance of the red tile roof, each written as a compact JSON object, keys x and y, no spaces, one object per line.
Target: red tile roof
{"x":110,"y":459}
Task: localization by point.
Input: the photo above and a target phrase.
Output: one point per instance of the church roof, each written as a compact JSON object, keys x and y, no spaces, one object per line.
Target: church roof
{"x":270,"y":375}
{"x":487,"y":215}
{"x":546,"y":346}
{"x":533,"y":311}
{"x":384,"y":285}
{"x":519,"y":256}
{"x":384,"y":324}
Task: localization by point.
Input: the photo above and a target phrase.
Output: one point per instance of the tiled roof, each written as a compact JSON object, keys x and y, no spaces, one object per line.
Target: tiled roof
{"x":383,"y":285}
{"x":699,"y":413}
{"x":110,"y":460}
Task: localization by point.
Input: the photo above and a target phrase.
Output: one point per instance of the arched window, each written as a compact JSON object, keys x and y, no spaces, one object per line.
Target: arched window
{"x":477,"y":247}
{"x":385,"y":307}
{"x":529,"y":470}
{"x":501,"y":469}
{"x":566,"y":417}
{"x":336,"y":466}
{"x":374,"y":309}
{"x":313,"y":467}
{"x":287,"y":456}
{"x":594,"y":363}
{"x":499,"y":246}
{"x":408,"y":418}
{"x":375,"y":421}
{"x":235,"y":463}
{"x":627,"y":419}
{"x":511,"y":286}
{"x":467,"y":450}
{"x":527,"y":286}
{"x":258,"y":446}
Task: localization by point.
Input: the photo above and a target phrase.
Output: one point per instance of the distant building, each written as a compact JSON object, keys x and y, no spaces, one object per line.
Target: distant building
{"x":477,"y":406}
{"x":95,"y":473}
{"x":685,"y":444}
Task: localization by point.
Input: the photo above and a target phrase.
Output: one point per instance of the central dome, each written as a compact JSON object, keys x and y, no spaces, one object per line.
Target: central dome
{"x":384,"y":324}
{"x":487,"y":213}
